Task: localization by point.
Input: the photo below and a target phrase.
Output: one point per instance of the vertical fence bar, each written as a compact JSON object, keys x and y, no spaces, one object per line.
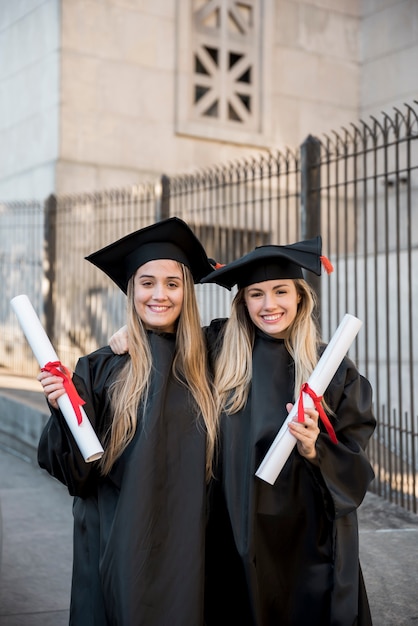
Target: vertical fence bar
{"x":310,"y":205}
{"x":163,"y":211}
{"x":49,"y":265}
{"x":414,"y":463}
{"x":326,"y":195}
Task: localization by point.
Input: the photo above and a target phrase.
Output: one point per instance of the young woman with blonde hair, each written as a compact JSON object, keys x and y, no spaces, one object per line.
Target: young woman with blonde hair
{"x":139,"y":512}
{"x":291,"y":549}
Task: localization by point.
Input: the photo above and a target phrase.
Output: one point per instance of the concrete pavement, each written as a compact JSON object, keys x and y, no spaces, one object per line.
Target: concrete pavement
{"x":35,"y":574}
{"x":35,"y":571}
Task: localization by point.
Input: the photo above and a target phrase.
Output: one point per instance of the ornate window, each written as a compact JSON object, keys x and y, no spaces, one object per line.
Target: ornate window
{"x":221,"y":70}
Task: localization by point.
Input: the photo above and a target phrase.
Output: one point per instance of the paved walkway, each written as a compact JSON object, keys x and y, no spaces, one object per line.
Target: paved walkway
{"x":35,"y":573}
{"x":36,"y":518}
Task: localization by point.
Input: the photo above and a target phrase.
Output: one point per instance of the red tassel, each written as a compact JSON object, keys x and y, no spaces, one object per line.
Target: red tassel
{"x":328,"y":267}
{"x":215,"y":264}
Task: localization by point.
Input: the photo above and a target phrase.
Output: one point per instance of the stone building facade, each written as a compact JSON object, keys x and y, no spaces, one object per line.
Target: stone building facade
{"x":97,"y":94}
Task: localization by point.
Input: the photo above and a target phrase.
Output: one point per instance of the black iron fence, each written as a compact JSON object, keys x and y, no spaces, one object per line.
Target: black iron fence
{"x":357,"y":188}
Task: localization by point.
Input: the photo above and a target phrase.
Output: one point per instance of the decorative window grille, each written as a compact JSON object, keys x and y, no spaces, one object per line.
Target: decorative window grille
{"x":226,"y":70}
{"x":221,"y":62}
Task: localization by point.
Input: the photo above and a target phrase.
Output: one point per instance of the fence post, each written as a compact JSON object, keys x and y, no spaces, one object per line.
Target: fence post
{"x":49,"y":264}
{"x":310,"y":217}
{"x":162,"y":200}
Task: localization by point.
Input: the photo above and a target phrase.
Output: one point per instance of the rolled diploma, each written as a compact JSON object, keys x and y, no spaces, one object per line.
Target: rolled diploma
{"x":84,"y":435}
{"x":284,"y":442}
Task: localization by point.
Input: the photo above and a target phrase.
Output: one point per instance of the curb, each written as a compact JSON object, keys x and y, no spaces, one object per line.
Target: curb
{"x":23,"y":415}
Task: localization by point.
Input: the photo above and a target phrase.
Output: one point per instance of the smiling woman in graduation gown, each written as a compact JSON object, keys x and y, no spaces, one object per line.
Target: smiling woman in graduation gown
{"x":145,"y":566}
{"x":288,"y":553}
{"x":139,"y":528}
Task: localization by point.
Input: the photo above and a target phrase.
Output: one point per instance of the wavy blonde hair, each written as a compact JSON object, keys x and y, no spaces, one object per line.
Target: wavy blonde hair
{"x":233,"y":376}
{"x":190,"y":367}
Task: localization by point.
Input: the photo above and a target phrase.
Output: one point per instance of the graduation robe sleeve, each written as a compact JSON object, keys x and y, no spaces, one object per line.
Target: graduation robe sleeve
{"x":345,"y":467}
{"x":58,"y":452}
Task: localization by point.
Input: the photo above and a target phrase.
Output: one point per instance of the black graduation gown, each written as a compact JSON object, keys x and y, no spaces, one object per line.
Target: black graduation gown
{"x":288,"y":553}
{"x":139,"y":532}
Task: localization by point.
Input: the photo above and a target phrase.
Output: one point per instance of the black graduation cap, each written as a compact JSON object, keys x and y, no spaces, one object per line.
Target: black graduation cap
{"x":271,"y":262}
{"x":171,"y":238}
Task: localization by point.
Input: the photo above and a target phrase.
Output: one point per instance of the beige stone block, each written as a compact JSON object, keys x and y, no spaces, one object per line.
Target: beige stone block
{"x":80,"y":80}
{"x":159,"y":8}
{"x":286,"y":18}
{"x":317,"y":29}
{"x":146,"y":40}
{"x":114,"y":87}
{"x":114,"y":31}
{"x":188,"y":155}
{"x":395,"y":79}
{"x":142,"y":94}
{"x":111,"y":178}
{"x":390,"y":29}
{"x":346,"y":7}
{"x":223,"y":154}
{"x":146,"y":147}
{"x":81,"y":177}
{"x":316,"y":78}
{"x":338,"y":83}
{"x":286,"y":122}
{"x":157,"y":96}
{"x":321,"y":120}
{"x":88,"y":27}
{"x":72,"y":178}
{"x":114,"y":141}
{"x":87,"y":137}
{"x":297,"y":119}
{"x":328,"y":33}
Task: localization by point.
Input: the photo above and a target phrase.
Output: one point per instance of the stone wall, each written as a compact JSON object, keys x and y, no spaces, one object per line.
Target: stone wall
{"x":96,"y":94}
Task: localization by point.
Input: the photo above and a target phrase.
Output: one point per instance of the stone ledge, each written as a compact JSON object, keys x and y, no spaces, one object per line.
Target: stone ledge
{"x":21,"y":426}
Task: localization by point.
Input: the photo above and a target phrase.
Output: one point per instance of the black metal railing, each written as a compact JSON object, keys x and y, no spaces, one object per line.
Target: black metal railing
{"x":357,"y":188}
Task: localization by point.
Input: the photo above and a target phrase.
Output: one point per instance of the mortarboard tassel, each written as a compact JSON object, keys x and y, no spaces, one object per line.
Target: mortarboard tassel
{"x":215,"y":264}
{"x":327,"y":265}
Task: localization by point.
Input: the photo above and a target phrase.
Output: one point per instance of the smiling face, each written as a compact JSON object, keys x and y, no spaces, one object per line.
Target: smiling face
{"x":158,"y":294}
{"x":272,"y":305}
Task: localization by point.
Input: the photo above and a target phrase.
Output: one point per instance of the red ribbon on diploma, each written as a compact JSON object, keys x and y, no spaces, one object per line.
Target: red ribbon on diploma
{"x":317,"y":402}
{"x":57,"y":369}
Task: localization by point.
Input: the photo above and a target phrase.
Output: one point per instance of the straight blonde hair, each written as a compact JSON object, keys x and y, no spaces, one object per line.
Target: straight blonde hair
{"x":233,"y":376}
{"x":190,"y":367}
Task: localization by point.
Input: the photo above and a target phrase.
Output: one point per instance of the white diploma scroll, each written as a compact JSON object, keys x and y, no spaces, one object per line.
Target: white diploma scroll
{"x":331,"y":358}
{"x":83,"y":433}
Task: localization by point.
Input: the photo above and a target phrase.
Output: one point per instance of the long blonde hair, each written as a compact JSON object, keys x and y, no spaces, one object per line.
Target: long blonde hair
{"x":233,"y":376}
{"x":130,"y":390}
